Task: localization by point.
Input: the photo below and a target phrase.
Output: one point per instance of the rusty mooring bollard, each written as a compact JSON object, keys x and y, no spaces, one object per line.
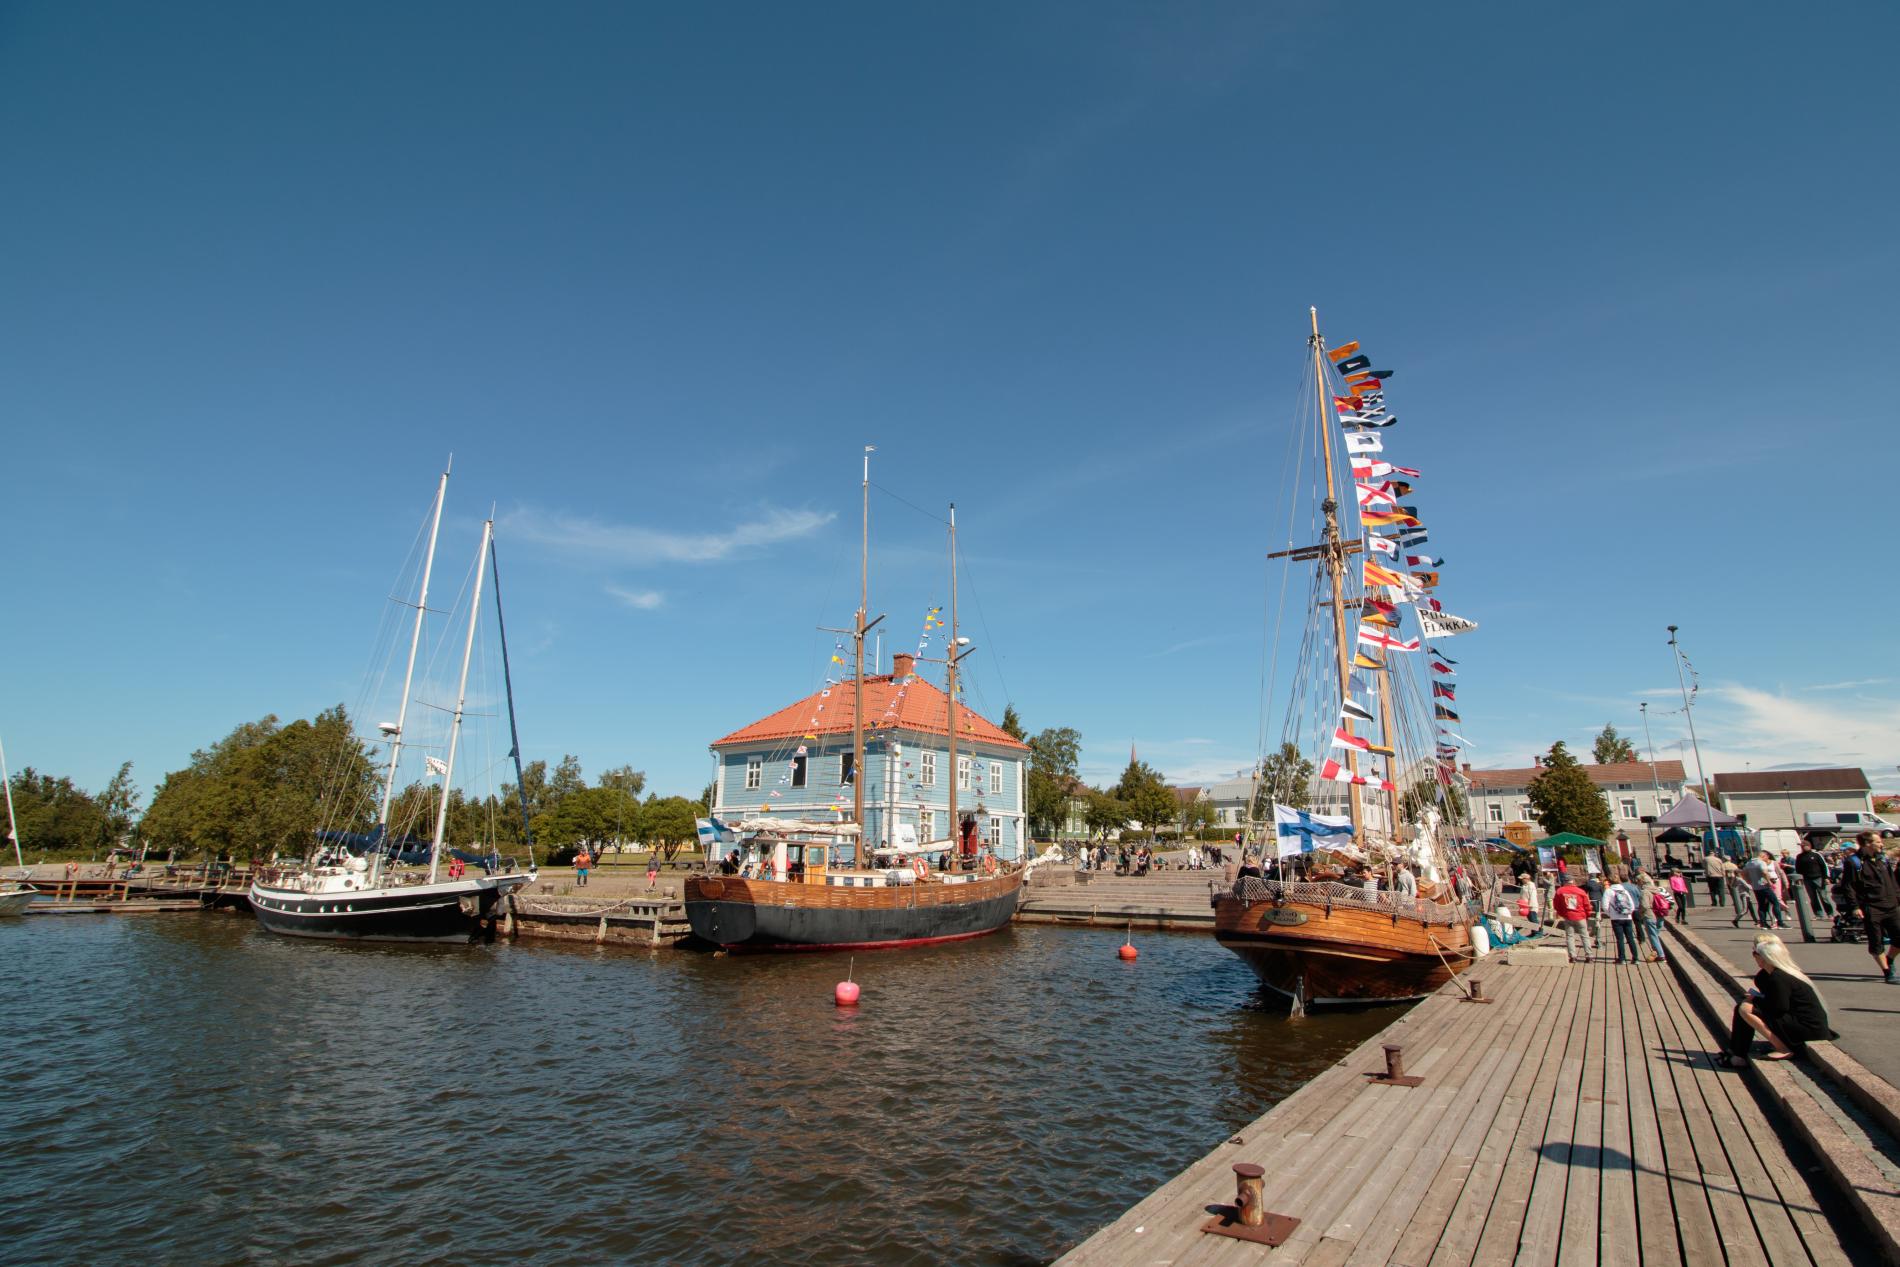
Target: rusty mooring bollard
{"x":1475,"y":992}
{"x":1250,"y":1190}
{"x":1394,"y":1074}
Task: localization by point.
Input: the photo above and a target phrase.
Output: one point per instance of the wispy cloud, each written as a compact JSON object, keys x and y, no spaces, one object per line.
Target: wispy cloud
{"x":1848,"y":686}
{"x":1191,"y":643}
{"x":642,"y":600}
{"x":632,"y":544}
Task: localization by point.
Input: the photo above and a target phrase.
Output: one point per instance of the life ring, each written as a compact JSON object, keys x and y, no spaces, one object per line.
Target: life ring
{"x":920,"y":867}
{"x":989,"y":864}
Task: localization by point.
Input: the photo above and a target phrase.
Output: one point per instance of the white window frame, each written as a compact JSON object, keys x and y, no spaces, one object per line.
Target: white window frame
{"x":927,"y":769}
{"x":1628,"y":806}
{"x":996,"y":778}
{"x":926,"y":826}
{"x":1524,"y":812}
{"x":996,"y":831}
{"x":754,"y":773}
{"x":964,"y":774}
{"x":1494,"y":812}
{"x":1663,"y":805}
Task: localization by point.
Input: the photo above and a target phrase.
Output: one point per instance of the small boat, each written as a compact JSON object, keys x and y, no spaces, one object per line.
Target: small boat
{"x":359,"y":886}
{"x":15,"y":895}
{"x":822,"y":886}
{"x":1313,"y":921}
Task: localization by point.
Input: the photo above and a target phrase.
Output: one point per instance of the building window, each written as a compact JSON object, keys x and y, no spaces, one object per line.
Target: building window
{"x":996,"y":832}
{"x":996,"y":778}
{"x":1662,"y":805}
{"x":1494,"y":812}
{"x":847,"y":768}
{"x":927,"y":825}
{"x":1524,"y":811}
{"x":798,"y":771}
{"x":754,"y":772}
{"x":928,"y":769}
{"x":1629,"y":807}
{"x":1625,"y":787}
{"x":963,"y":774}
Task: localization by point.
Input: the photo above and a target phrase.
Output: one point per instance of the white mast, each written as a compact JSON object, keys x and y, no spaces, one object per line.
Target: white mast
{"x":461,"y":698}
{"x":415,"y":640}
{"x":13,"y":830}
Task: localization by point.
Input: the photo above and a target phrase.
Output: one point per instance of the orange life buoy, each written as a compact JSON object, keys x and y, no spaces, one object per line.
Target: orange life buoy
{"x":989,"y":864}
{"x":920,"y":866}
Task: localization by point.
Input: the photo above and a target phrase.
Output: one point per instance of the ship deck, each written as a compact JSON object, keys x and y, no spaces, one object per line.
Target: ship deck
{"x":1577,"y":1119}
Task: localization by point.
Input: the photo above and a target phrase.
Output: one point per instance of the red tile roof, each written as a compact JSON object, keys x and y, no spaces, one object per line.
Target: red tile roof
{"x":1836,"y":779}
{"x":1615,"y":772}
{"x":922,"y":707}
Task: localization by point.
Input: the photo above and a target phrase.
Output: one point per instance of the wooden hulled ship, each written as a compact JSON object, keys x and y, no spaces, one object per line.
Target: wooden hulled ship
{"x":855,"y":884}
{"x":1360,"y":906}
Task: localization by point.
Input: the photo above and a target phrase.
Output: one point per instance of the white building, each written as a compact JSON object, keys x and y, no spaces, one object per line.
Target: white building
{"x":1779,"y":798}
{"x":1627,"y":787}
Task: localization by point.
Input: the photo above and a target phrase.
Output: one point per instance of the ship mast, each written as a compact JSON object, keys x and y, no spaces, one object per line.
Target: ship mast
{"x":859,"y":628}
{"x":461,"y":701}
{"x":951,"y":657}
{"x":415,"y":640}
{"x":1333,"y":550}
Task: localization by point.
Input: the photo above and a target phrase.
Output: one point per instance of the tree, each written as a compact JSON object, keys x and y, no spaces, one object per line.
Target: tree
{"x":1414,"y":800}
{"x":1563,"y":798}
{"x":625,"y":777}
{"x":567,"y":778}
{"x":1146,"y":795}
{"x":1105,"y":813}
{"x":667,"y":823}
{"x":1013,"y":725}
{"x":119,"y":806}
{"x":1053,"y":755}
{"x":706,"y":798}
{"x":1197,"y":813}
{"x":55,"y":815}
{"x":1285,"y":777}
{"x":1612,"y":747}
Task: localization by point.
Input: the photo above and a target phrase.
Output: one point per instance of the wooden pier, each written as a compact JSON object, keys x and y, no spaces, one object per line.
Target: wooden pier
{"x":1575,"y":1119}
{"x":1161,"y":899}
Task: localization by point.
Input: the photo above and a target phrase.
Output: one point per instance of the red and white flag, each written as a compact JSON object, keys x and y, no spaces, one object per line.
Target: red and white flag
{"x":1374,"y":637}
{"x":1343,"y":738}
{"x":1331,"y":769}
{"x":1382,"y":545}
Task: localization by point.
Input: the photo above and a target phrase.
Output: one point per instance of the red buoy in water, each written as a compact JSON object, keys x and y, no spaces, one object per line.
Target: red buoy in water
{"x":846,"y":994}
{"x":1128,"y":951}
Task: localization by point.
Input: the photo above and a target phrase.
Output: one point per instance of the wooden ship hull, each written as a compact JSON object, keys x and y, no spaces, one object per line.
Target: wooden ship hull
{"x":1333,"y":945}
{"x":770,"y":915}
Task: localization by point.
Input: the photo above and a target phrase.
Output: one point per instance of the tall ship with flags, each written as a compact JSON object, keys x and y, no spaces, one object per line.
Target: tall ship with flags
{"x":877,"y":812}
{"x":1361,"y":897}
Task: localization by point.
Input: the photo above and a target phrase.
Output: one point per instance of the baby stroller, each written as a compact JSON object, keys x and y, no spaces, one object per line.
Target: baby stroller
{"x":1847,"y":927}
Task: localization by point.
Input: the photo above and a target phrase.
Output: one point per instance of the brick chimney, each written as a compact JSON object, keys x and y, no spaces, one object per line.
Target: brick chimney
{"x":903,"y":664}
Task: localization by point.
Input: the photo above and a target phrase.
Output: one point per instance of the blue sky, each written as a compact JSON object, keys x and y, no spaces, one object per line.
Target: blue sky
{"x":655,"y":274}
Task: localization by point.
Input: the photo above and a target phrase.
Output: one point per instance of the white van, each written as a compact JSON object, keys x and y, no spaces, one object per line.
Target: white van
{"x":1846,"y":822}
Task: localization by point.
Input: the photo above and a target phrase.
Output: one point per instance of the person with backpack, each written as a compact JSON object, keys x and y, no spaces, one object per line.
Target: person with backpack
{"x":1620,"y":903}
{"x":1654,"y":910}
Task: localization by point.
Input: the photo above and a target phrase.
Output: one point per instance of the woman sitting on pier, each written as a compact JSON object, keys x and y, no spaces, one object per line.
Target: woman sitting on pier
{"x":1784,"y":1008}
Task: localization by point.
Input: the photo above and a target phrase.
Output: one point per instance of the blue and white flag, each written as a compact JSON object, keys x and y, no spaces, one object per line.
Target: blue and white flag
{"x":1297,"y":828}
{"x":713,"y":832}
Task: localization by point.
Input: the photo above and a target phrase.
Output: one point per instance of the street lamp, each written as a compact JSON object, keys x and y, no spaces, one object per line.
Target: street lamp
{"x":1707,"y":792}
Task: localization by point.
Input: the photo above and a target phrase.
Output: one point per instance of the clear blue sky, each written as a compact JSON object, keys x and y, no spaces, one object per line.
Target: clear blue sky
{"x":656,"y":273}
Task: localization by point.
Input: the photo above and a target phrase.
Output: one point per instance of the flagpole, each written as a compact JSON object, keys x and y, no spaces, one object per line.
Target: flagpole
{"x":1708,"y":794}
{"x":1335,"y":553}
{"x":1655,"y":784}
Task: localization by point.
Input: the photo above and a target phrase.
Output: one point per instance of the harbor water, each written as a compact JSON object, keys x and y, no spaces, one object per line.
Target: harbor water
{"x":188,"y":1088}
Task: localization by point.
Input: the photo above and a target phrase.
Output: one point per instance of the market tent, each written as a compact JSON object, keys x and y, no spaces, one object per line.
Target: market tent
{"x":1570,"y":840}
{"x":1690,"y":811}
{"x":1680,"y":836}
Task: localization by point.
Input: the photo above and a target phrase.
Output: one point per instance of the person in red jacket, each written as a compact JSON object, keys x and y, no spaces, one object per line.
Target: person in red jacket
{"x":1572,"y":908}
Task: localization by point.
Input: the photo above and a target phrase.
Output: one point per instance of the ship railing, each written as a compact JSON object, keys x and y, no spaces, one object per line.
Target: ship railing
{"x":1331,"y":893}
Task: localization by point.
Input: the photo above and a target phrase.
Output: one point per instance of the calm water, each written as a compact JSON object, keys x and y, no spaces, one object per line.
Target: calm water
{"x":187,"y":1088}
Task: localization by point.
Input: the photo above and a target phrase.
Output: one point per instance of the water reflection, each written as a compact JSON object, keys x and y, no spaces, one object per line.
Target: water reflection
{"x":225,"y":1095}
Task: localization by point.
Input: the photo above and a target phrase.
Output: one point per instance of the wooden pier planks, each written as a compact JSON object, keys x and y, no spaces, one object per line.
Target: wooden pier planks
{"x":1576,"y":1120}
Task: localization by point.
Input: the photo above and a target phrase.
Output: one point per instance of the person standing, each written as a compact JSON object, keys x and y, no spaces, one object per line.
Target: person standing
{"x":1812,"y":868}
{"x":1876,"y":895}
{"x":1714,"y":873}
{"x":582,"y":861}
{"x":1784,"y":1008}
{"x":1620,"y":904}
{"x":1653,"y":911}
{"x":1740,"y":896}
{"x":653,"y":869}
{"x":1757,"y":876}
{"x":1593,"y":889}
{"x":1572,"y":906}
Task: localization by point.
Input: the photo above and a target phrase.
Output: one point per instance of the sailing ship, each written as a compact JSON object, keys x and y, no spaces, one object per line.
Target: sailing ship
{"x":1308,"y":923}
{"x":15,"y":895}
{"x":820,"y":885}
{"x":370,"y":886}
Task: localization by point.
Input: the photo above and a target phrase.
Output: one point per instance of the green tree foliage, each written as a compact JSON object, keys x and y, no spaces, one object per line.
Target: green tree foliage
{"x":264,"y":788}
{"x":1105,"y":813}
{"x":625,"y":778}
{"x":1563,"y":798}
{"x":1611,"y":747}
{"x":1414,"y":799}
{"x":1196,"y":814}
{"x":668,"y":823}
{"x":55,"y":815}
{"x":1285,"y":777}
{"x":119,"y":807}
{"x":1147,"y":796}
{"x":1053,"y":756}
{"x":1012,"y":725}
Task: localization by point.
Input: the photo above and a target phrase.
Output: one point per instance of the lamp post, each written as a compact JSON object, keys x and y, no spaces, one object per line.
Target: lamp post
{"x":1689,"y":713}
{"x":1655,"y":784}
